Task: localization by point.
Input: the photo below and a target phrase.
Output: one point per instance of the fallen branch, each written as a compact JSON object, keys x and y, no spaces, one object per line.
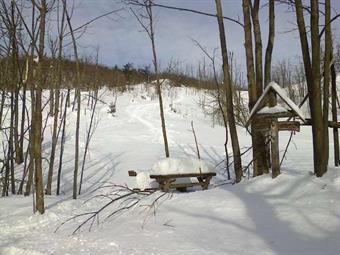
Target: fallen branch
{"x":126,"y":199}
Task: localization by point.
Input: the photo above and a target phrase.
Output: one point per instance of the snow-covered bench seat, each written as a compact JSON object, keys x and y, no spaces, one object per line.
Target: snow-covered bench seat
{"x":168,"y":181}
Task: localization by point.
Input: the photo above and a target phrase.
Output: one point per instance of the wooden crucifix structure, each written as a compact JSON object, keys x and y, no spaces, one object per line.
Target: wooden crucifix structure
{"x":267,"y":113}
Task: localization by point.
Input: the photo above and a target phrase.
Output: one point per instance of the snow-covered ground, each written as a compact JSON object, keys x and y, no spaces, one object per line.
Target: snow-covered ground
{"x":296,"y":213}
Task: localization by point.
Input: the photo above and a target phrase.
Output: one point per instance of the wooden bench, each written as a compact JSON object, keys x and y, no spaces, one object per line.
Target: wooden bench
{"x":167,"y":182}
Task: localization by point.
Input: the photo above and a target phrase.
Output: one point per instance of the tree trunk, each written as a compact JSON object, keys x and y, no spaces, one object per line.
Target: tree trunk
{"x":55,"y":111}
{"x":258,"y":140}
{"x":10,"y":154}
{"x":327,"y":80}
{"x":275,"y":149}
{"x":2,"y":104}
{"x":62,"y":143}
{"x":268,"y":66}
{"x":158,"y":84}
{"x":15,"y":85}
{"x":312,"y":71}
{"x":22,"y":125}
{"x":39,"y":186}
{"x":77,"y":97}
{"x":335,"y":117}
{"x":229,"y":95}
{"x":258,"y":47}
{"x":316,"y":111}
{"x":31,"y":166}
{"x":87,"y":142}
{"x":76,"y":156}
{"x":52,"y":94}
{"x":30,"y":76}
{"x":270,"y":45}
{"x":19,"y":157}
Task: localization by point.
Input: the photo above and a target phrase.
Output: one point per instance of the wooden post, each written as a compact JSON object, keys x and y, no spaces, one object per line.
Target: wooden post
{"x":335,"y":117}
{"x":275,"y":148}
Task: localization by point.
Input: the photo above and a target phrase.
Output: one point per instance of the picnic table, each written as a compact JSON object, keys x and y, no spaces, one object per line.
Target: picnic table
{"x":168,"y":181}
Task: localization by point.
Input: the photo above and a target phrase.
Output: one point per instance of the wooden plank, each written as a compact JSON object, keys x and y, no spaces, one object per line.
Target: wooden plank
{"x":184,"y":185}
{"x":167,"y":182}
{"x":275,"y":149}
{"x":265,"y":125}
{"x":169,"y":176}
{"x":132,"y":173}
{"x":289,"y":126}
{"x":331,"y":124}
{"x":287,"y":114}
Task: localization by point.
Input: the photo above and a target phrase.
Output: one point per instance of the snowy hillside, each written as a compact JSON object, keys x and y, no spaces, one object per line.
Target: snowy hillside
{"x":296,"y":213}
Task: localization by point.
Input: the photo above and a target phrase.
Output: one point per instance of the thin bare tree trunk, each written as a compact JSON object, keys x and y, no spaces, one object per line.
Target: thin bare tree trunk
{"x":14,"y":43}
{"x":267,"y":76}
{"x":258,"y":47}
{"x":87,"y":143}
{"x":270,"y":45}
{"x":30,"y":67}
{"x":158,"y":84}
{"x":62,"y":143}
{"x":229,"y":95}
{"x":2,"y":104}
{"x":23,"y":119}
{"x":39,"y":186}
{"x":77,"y":97}
{"x":335,"y":117}
{"x":10,"y":155}
{"x":327,"y":79}
{"x":258,"y":141}
{"x":149,"y":29}
{"x":31,"y":166}
{"x":52,"y":107}
{"x":56,"y":107}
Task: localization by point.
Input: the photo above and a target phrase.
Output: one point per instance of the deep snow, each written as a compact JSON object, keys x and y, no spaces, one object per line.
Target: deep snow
{"x":296,"y":213}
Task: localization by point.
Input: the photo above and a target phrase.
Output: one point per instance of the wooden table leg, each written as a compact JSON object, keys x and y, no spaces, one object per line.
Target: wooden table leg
{"x":204,"y":182}
{"x":164,"y":183}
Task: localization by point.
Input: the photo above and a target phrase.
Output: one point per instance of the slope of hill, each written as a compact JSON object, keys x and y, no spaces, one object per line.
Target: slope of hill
{"x":294,"y":214}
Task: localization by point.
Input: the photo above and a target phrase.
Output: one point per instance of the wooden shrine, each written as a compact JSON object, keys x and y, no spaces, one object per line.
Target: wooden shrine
{"x":265,"y":117}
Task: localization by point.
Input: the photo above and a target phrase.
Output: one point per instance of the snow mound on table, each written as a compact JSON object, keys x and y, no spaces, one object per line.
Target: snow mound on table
{"x":180,"y":166}
{"x":18,"y":251}
{"x":171,"y":166}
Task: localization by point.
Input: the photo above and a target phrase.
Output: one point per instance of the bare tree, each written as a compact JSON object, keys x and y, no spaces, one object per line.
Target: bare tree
{"x":313,"y":78}
{"x":91,"y":128}
{"x":147,"y":22}
{"x":229,"y":95}
{"x":250,"y":15}
{"x":220,"y":105}
{"x":56,"y":101}
{"x":78,"y":99}
{"x":326,"y":80}
{"x":37,"y":124}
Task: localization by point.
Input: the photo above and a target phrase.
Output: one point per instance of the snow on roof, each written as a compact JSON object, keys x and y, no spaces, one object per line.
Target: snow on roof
{"x":281,"y":93}
{"x":271,"y":110}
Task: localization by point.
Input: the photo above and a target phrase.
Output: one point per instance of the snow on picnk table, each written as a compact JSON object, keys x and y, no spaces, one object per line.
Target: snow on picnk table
{"x":179,"y":173}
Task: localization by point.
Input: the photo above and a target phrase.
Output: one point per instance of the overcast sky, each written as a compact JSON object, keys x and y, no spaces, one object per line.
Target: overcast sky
{"x":121,"y":40}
